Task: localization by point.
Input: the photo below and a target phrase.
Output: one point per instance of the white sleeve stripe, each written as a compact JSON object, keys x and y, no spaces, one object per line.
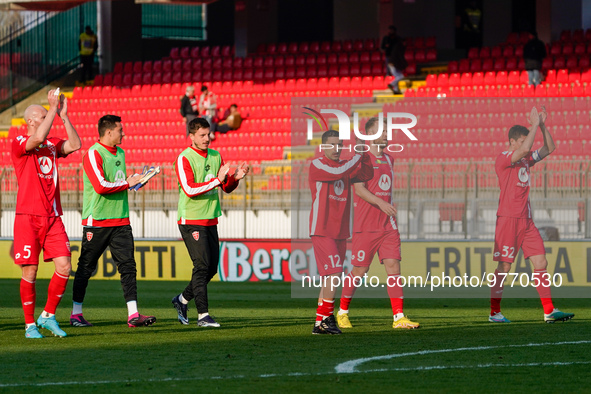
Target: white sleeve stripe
{"x":99,"y":176}
{"x":185,"y":185}
{"x":315,"y":208}
{"x":336,"y":170}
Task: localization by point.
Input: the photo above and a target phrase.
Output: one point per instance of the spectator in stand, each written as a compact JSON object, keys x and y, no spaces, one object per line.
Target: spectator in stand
{"x":189,"y":106}
{"x":87,"y":45}
{"x":396,"y":62}
{"x":207,"y":107}
{"x":534,"y":53}
{"x":472,"y":25}
{"x":387,"y":45}
{"x":231,"y":120}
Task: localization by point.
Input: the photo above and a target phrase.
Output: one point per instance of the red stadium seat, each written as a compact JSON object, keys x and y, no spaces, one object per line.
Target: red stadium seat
{"x":465,"y":79}
{"x":490,"y":78}
{"x":562,"y":76}
{"x":478,"y":78}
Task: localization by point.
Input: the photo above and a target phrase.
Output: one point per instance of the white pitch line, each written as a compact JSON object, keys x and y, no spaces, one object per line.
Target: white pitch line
{"x":336,"y":372}
{"x":351,"y":366}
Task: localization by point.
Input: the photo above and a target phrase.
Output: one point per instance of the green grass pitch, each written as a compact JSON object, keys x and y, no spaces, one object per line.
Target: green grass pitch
{"x":265,"y":345}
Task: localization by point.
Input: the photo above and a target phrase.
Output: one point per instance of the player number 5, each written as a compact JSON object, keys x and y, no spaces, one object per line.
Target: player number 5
{"x":27,"y":249}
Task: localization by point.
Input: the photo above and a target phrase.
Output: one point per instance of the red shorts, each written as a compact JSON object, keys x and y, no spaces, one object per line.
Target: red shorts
{"x":33,"y":233}
{"x":514,"y":233}
{"x":329,"y":254}
{"x":365,"y":246}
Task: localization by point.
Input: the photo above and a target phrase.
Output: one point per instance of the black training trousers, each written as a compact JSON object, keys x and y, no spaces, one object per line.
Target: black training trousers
{"x":204,"y":248}
{"x":94,"y":242}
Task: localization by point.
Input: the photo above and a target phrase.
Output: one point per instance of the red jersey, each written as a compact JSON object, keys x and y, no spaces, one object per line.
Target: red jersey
{"x":330,"y":184}
{"x":367,"y":217}
{"x":514,"y":184}
{"x":36,"y":173}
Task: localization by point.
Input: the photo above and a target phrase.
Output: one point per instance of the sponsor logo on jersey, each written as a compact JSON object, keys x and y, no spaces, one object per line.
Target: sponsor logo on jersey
{"x":497,"y":254}
{"x":89,"y":236}
{"x":207,"y":167}
{"x":45,"y":164}
{"x":523,"y":176}
{"x":118,"y":163}
{"x":339,"y":187}
{"x":385,"y":183}
{"x":195,"y":235}
{"x":119,"y":176}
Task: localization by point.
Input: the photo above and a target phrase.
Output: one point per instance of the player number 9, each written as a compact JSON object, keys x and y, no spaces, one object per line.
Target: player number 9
{"x":361,"y":256}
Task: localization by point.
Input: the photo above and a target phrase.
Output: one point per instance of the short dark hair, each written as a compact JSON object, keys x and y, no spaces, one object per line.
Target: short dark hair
{"x":198,"y":123}
{"x":203,"y":88}
{"x":107,"y":122}
{"x":371,"y":123}
{"x":233,"y":105}
{"x":328,"y":134}
{"x":517,"y":131}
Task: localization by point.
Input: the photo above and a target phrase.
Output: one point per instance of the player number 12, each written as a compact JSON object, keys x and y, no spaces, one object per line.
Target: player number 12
{"x":332,"y":260}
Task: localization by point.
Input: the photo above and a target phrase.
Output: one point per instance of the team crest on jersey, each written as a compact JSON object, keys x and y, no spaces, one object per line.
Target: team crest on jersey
{"x":89,"y":236}
{"x":196,"y":235}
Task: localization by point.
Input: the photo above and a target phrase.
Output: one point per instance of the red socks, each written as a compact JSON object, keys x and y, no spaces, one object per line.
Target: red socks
{"x":544,"y":291}
{"x":57,"y":288}
{"x":395,"y":293}
{"x":325,"y":309}
{"x":28,"y":300}
{"x":496,"y":294}
{"x":348,"y":291}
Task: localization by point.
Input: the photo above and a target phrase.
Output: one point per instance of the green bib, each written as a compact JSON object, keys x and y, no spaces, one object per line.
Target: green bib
{"x":106,"y":206}
{"x":203,"y":206}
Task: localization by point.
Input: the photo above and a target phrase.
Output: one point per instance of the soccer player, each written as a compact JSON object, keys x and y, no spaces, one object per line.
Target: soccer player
{"x":375,"y":230}
{"x":37,"y":224}
{"x":200,"y":171}
{"x":105,"y":220}
{"x":515,"y":228}
{"x":330,"y":181}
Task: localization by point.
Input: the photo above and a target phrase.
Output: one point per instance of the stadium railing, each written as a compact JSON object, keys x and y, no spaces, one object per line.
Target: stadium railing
{"x":434,"y":200}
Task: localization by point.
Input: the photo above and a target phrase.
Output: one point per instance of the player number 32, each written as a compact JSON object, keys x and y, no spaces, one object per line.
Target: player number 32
{"x":506,"y":252}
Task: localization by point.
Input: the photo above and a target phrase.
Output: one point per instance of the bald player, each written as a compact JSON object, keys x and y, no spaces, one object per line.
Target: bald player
{"x":38,"y":224}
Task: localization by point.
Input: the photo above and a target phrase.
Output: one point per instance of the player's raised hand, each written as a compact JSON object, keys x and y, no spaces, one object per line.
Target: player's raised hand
{"x":241,"y":171}
{"x":534,"y":117}
{"x":388,"y":209}
{"x":134,"y":179}
{"x":63,"y":106}
{"x":543,"y":116}
{"x":53,"y":100}
{"x":223,"y":172}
